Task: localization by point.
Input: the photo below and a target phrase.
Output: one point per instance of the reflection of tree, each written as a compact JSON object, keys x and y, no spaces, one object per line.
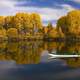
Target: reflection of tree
{"x":23,"y":52}
{"x":51,"y":46}
{"x":73,"y":62}
{"x":68,"y":48}
{"x":2,"y":46}
{"x":29,"y":52}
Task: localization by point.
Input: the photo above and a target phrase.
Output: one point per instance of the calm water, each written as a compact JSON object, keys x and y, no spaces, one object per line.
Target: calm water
{"x":30,"y":61}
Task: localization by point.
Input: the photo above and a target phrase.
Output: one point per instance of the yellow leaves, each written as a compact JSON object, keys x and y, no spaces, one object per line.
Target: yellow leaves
{"x":74,"y":13}
{"x":50,"y":31}
{"x":61,"y":23}
{"x":53,"y":33}
{"x":45,"y":29}
{"x":25,"y":24}
{"x":70,"y":24}
{"x":73,"y":62}
{"x":36,"y":20}
{"x":73,"y":18}
{"x":30,"y":24}
{"x":2,"y":33}
{"x":8,"y":19}
{"x":8,"y":22}
{"x":12,"y":33}
{"x":1,"y":20}
{"x":22,"y":19}
{"x":12,"y":47}
{"x":35,"y":17}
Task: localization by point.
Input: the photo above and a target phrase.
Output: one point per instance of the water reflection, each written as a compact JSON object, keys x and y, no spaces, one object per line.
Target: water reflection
{"x":34,"y":52}
{"x":68,"y":48}
{"x":21,"y":52}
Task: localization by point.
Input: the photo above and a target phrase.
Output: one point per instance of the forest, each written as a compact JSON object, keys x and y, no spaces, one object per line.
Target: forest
{"x":24,"y":26}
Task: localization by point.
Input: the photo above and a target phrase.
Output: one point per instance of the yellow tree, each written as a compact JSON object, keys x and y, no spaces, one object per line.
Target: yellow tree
{"x":2,"y":30}
{"x":50,"y":27}
{"x":62,"y":26}
{"x":53,"y":33}
{"x":8,"y":22}
{"x":36,"y":22}
{"x":73,"y":62}
{"x":22,"y":22}
{"x":70,"y":24}
{"x":2,"y":33}
{"x":1,"y":22}
{"x":73,"y":22}
{"x":12,"y":33}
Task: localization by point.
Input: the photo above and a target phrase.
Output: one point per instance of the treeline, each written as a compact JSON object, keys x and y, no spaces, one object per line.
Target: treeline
{"x":24,"y":26}
{"x":29,"y":26}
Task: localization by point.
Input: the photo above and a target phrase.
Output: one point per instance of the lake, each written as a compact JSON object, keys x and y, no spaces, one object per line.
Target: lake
{"x":29,"y":60}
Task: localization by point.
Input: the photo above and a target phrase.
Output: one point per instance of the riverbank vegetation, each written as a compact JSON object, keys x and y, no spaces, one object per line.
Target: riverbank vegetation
{"x":24,"y":26}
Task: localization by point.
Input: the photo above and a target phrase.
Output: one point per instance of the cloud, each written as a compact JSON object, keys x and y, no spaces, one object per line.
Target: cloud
{"x":47,"y":14}
{"x":50,"y":11}
{"x":39,"y":3}
{"x":77,"y":1}
{"x":6,"y":7}
{"x":6,"y":3}
{"x":68,"y":7}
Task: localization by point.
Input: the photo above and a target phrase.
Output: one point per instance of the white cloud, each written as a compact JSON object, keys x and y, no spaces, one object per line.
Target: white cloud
{"x":7,"y":7}
{"x":67,"y":7}
{"x":78,"y":1}
{"x":47,"y":14}
{"x":6,"y":3}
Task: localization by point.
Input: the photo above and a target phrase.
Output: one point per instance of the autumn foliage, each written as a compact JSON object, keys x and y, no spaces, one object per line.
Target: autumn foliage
{"x":24,"y":26}
{"x":70,"y":24}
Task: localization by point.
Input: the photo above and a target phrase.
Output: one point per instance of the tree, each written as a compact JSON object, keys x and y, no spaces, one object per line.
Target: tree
{"x":2,"y":30}
{"x":8,"y":22}
{"x":12,"y":33}
{"x":70,"y":24}
{"x":62,"y":26}
{"x":50,"y":27}
{"x":53,"y":33}
{"x":36,"y":22}
{"x":22,"y":22}
{"x":73,"y":22}
{"x":1,"y":22}
{"x":73,"y":62}
{"x":2,"y":33}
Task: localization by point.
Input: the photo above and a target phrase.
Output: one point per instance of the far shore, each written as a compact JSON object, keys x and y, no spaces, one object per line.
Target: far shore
{"x":41,"y":39}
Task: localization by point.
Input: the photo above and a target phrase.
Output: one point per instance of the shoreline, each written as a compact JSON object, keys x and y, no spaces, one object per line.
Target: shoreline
{"x":41,"y":39}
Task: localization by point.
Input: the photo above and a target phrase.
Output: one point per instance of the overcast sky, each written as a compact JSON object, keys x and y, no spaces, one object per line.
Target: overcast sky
{"x":49,"y":10}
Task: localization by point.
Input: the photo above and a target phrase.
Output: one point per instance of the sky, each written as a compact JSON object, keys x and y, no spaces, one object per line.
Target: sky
{"x":49,"y":10}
